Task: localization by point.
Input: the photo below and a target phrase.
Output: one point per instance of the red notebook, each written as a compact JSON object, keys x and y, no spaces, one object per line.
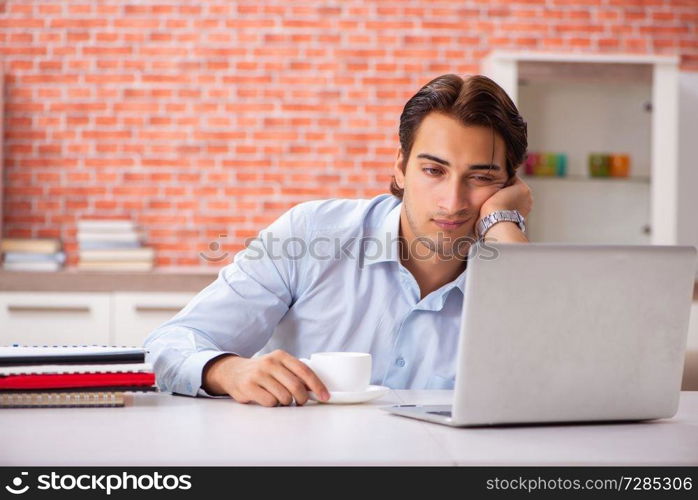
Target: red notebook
{"x":66,"y":380}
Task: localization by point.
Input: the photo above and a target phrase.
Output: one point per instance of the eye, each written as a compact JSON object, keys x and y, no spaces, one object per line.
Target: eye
{"x":482,"y":178}
{"x":432,"y":171}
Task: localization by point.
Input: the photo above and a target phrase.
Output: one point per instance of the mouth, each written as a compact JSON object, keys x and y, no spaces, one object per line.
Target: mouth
{"x":449,"y":225}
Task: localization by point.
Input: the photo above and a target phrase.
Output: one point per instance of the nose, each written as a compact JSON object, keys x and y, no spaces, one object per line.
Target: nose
{"x":455,"y":198}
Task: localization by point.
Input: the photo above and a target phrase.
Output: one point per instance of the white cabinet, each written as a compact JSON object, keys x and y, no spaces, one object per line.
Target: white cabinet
{"x":585,"y":103}
{"x":137,"y":314}
{"x":113,"y":318}
{"x":596,"y":211}
{"x":36,"y":318}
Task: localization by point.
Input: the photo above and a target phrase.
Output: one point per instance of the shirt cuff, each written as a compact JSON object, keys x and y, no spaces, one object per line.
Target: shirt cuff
{"x":205,"y":394}
{"x":192,"y":369}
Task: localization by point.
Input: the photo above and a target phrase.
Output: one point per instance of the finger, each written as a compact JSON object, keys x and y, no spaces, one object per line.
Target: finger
{"x":261,"y":396}
{"x":293,"y":384}
{"x":275,"y":388}
{"x":307,"y":375}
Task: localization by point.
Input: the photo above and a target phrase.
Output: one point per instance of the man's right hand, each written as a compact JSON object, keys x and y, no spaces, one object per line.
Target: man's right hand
{"x":274,"y":379}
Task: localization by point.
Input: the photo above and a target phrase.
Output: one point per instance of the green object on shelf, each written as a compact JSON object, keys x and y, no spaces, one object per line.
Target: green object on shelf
{"x":598,"y":165}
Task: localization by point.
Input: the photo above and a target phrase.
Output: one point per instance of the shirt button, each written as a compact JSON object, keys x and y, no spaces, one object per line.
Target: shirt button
{"x":400,"y":362}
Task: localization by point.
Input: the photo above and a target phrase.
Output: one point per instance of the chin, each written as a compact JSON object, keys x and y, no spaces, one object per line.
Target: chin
{"x":448,"y":248}
{"x":454,"y":235}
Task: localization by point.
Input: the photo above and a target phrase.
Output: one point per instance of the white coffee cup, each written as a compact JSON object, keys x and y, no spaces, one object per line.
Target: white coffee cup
{"x":342,"y":371}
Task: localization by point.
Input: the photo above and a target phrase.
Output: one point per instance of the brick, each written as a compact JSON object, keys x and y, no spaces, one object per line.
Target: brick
{"x":73,"y":177}
{"x":577,"y":28}
{"x":80,"y":9}
{"x":137,"y":23}
{"x":49,"y":149}
{"x":21,"y":38}
{"x":45,"y":78}
{"x":48,"y":9}
{"x":23,"y":51}
{"x":21,"y":23}
{"x":663,"y":30}
{"x":107,"y":51}
{"x":608,"y":43}
{"x":77,"y":23}
{"x":16,"y":66}
{"x":664,"y":16}
{"x":580,"y":42}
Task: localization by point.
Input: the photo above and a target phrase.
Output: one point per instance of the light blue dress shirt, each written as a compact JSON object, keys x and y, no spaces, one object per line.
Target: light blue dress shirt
{"x":325,"y":276}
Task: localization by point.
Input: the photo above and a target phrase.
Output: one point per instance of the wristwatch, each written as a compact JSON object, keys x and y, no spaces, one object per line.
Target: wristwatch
{"x":489,"y":220}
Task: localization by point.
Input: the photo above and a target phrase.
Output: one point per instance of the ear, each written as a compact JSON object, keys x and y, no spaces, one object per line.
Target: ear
{"x":397,"y":170}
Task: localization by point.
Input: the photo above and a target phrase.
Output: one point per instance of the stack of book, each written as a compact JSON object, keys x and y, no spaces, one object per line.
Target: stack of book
{"x":20,"y":254}
{"x":71,"y":376}
{"x":112,"y":245}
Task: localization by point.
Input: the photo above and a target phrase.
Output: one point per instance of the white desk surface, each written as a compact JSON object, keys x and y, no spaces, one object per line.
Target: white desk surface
{"x":161,"y":429}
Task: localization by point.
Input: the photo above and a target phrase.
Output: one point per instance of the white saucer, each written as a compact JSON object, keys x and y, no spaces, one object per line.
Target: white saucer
{"x":336,"y":397}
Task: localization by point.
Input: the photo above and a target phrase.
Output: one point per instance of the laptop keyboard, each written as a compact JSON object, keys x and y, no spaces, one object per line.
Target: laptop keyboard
{"x":446,"y":413}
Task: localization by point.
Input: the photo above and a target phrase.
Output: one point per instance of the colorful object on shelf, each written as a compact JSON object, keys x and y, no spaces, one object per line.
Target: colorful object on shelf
{"x":532,"y":160}
{"x":546,"y":165}
{"x":598,"y":165}
{"x":561,"y":165}
{"x":619,"y":165}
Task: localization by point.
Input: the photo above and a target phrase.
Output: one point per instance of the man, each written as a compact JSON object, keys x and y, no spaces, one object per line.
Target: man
{"x":384,"y":276}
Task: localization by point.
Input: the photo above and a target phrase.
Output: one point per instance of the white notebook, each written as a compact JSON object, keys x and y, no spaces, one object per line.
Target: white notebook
{"x":69,"y":368}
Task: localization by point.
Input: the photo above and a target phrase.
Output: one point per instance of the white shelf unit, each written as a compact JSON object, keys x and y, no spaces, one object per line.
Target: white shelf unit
{"x":582,"y":103}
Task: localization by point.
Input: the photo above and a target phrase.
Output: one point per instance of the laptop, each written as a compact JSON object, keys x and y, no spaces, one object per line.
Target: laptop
{"x":569,"y":333}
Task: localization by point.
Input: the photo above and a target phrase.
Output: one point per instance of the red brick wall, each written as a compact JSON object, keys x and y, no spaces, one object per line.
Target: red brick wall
{"x":208,"y":117}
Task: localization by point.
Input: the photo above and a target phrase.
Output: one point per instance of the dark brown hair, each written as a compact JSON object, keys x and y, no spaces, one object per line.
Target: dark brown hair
{"x":475,"y":100}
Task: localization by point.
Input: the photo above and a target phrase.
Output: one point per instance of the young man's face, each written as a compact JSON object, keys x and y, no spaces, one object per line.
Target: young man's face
{"x":447,"y":179}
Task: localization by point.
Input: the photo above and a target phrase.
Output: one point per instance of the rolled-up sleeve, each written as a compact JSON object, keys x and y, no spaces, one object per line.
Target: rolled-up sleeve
{"x":237,"y":313}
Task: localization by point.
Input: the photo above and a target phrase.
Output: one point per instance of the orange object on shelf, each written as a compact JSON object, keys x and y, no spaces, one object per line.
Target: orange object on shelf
{"x":619,"y":165}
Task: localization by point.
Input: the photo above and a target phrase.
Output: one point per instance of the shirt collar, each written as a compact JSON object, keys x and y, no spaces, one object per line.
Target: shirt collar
{"x":382,"y":242}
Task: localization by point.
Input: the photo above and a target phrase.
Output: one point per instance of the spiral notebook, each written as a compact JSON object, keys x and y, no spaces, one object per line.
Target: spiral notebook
{"x":61,"y":400}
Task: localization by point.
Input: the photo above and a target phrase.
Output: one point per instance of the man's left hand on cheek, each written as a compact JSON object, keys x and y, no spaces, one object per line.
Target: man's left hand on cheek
{"x":515,"y":196}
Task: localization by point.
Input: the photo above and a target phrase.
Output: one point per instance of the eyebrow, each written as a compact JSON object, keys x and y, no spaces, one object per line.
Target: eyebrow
{"x":479,"y":166}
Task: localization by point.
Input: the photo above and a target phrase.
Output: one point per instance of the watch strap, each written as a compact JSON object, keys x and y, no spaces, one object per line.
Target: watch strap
{"x":484,"y":224}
